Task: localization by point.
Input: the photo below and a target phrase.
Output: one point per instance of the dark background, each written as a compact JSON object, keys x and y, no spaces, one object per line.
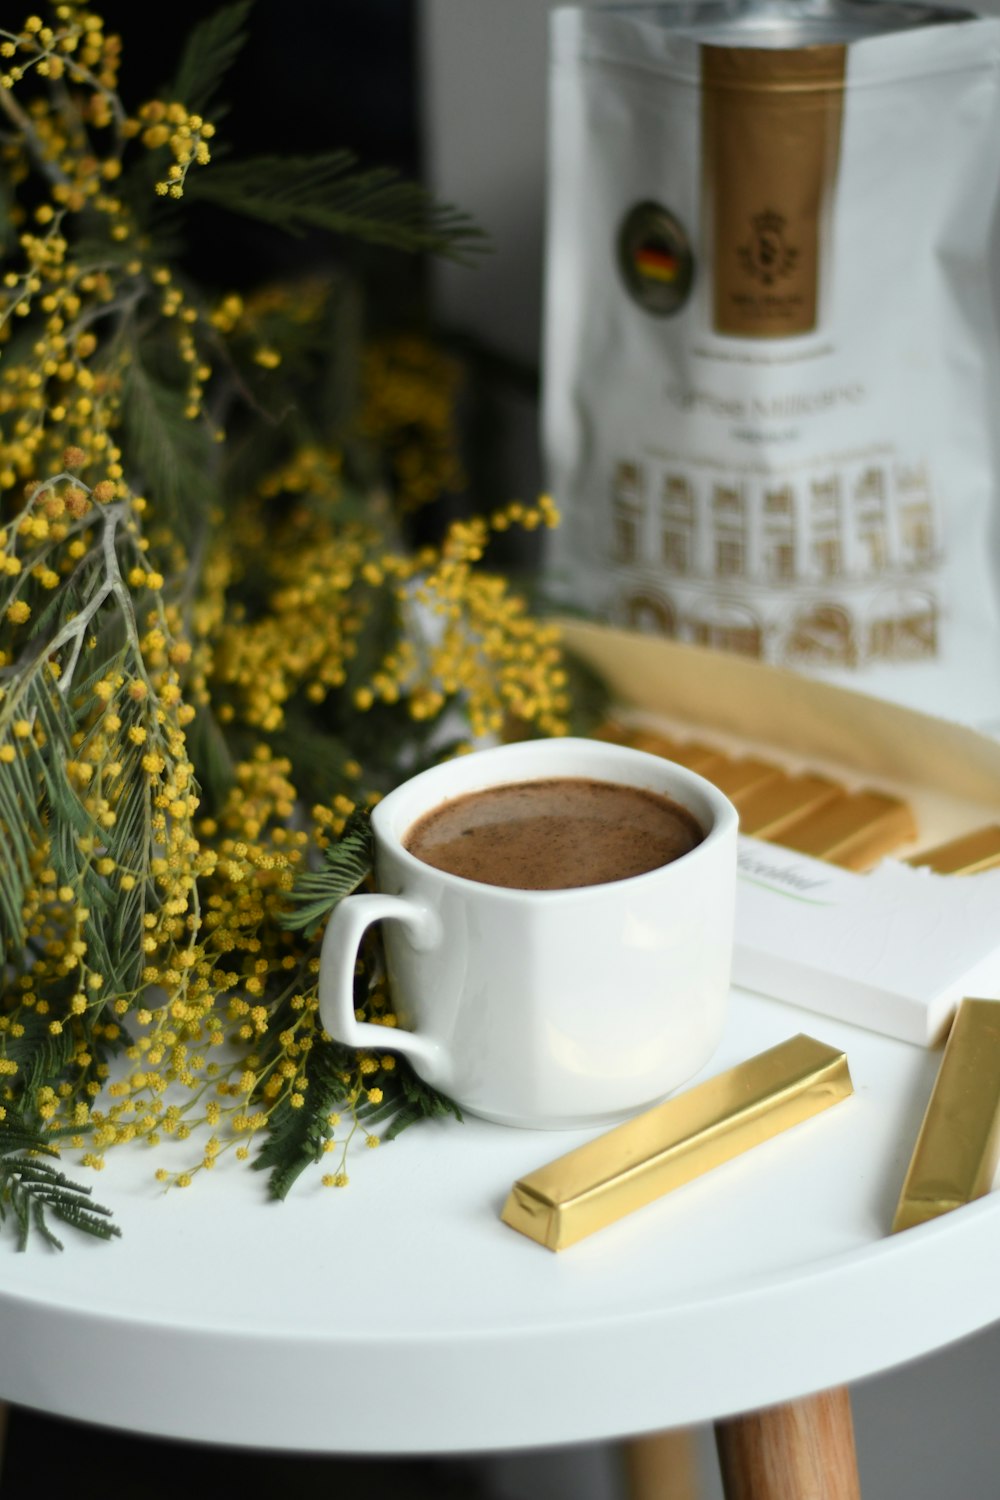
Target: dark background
{"x":313,"y":76}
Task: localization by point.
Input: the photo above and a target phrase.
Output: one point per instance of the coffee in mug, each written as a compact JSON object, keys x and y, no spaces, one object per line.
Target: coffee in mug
{"x":557,"y":833}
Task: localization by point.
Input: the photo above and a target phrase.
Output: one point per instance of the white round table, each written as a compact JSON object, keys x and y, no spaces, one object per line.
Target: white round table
{"x":400,"y":1315}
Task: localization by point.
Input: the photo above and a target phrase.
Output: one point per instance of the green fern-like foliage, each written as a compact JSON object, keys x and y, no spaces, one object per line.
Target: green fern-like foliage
{"x":329,"y":192}
{"x":32,"y":1191}
{"x":210,"y":51}
{"x":300,"y":1138}
{"x":347,"y":864}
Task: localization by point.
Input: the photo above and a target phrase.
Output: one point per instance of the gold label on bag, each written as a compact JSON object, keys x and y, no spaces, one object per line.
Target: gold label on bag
{"x":771,"y":142}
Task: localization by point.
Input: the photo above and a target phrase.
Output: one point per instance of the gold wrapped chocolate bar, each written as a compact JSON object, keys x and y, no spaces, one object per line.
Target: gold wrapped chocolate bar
{"x":957,"y":1150}
{"x":676,"y":1141}
{"x":967,"y":855}
{"x":854,"y":831}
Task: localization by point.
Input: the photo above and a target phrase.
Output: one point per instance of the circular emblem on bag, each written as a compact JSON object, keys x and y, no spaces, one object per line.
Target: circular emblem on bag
{"x":654,"y":257}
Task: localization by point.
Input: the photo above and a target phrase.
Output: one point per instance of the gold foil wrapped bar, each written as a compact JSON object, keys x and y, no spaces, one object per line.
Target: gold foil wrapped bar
{"x":690,"y":753}
{"x":765,"y":813}
{"x":958,"y":1146}
{"x":967,"y":855}
{"x":653,"y":742}
{"x":676,"y":1141}
{"x":613,"y":732}
{"x":855,"y":831}
{"x":698,"y":757}
{"x":738,"y":778}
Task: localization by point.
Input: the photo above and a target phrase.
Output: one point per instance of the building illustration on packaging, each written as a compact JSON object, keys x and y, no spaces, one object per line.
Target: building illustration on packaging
{"x":916,"y":517}
{"x":826,"y":527}
{"x":870,"y":495}
{"x":779,"y":533}
{"x":728,"y":626}
{"x":729,"y":526}
{"x":822,"y":635}
{"x":678,"y":522}
{"x":904,"y":626}
{"x":627,"y":506}
{"x":833,"y":567}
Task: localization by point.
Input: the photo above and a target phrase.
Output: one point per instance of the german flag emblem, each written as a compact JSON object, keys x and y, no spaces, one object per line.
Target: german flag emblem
{"x":658,"y":264}
{"x":654,"y":258}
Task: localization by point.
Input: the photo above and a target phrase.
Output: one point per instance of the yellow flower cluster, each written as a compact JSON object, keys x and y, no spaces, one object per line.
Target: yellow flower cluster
{"x":75,"y":48}
{"x":195,"y":699}
{"x":186,"y":134}
{"x":468,"y":637}
{"x":483,"y":645}
{"x":60,"y":394}
{"x":200,"y":900}
{"x":410,"y":390}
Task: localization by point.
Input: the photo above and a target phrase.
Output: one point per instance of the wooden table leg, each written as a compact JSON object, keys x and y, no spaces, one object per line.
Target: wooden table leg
{"x":802,"y":1451}
{"x":662,"y":1466}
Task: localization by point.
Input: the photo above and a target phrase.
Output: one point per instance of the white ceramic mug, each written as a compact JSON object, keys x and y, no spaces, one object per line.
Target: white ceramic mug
{"x":552,"y":1008}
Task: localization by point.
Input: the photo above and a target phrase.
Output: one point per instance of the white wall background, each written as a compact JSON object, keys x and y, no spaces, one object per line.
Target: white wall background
{"x":926,"y":1432}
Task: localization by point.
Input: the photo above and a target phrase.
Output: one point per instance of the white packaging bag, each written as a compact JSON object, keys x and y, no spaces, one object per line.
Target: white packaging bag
{"x":771,"y":393}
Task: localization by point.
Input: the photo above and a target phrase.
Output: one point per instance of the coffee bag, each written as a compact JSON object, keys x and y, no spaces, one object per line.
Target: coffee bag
{"x":772,"y":365}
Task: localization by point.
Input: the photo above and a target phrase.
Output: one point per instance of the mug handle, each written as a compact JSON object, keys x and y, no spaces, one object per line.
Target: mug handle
{"x":337,"y":960}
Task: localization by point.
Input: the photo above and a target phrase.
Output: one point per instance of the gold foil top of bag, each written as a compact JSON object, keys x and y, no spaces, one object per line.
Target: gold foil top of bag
{"x":676,"y":1141}
{"x":771,"y":122}
{"x":855,"y":830}
{"x":958,"y":1147}
{"x":968,"y":855}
